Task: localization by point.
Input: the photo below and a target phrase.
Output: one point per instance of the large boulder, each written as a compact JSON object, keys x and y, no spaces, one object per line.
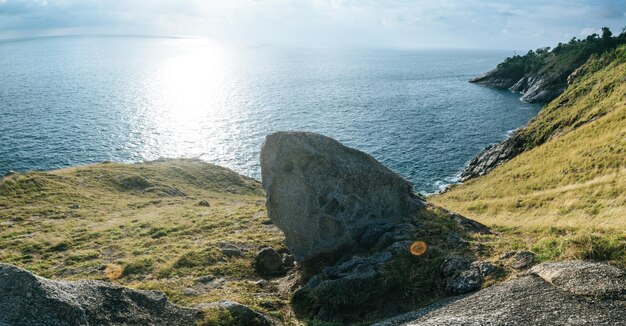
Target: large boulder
{"x":566,"y":293}
{"x":324,"y":196}
{"x":368,"y":246}
{"x":26,"y":299}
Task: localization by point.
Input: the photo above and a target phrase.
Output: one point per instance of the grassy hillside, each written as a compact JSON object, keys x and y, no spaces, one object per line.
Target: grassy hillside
{"x":573,"y":175}
{"x":141,"y":225}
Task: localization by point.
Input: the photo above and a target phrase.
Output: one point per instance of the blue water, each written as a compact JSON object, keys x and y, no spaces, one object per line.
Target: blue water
{"x":75,"y":100}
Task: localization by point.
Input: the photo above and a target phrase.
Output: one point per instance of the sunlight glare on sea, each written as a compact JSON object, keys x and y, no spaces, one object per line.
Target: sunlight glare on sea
{"x":76,"y":100}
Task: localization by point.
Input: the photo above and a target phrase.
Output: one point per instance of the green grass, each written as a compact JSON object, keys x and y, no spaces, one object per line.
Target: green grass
{"x":572,"y":176}
{"x":141,"y":225}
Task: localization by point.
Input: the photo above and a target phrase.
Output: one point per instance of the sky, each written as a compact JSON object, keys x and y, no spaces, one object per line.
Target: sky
{"x":489,"y":24}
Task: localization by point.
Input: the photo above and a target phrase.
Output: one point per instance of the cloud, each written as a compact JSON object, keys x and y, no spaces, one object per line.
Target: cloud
{"x":385,"y":23}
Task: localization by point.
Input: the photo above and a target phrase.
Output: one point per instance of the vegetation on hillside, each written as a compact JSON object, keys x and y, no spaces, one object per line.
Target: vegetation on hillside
{"x":142,"y":225}
{"x":572,"y":176}
{"x":560,"y":62}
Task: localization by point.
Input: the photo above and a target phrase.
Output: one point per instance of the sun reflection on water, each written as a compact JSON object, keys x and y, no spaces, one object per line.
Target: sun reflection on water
{"x":185,"y":97}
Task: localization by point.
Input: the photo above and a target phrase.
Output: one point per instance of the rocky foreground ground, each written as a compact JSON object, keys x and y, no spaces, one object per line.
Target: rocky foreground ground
{"x":366,"y":249}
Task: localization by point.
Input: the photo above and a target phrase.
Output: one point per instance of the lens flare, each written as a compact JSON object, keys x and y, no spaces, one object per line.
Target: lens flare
{"x":418,"y":248}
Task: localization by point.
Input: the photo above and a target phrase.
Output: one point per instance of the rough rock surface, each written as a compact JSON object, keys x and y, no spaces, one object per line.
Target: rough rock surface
{"x":351,"y":223}
{"x":26,"y":299}
{"x":269,"y":262}
{"x":242,"y":314}
{"x":521,"y":260}
{"x":534,"y":87}
{"x":584,"y":278}
{"x":460,"y":275}
{"x":493,"y":156}
{"x":324,"y":195}
{"x":566,"y":293}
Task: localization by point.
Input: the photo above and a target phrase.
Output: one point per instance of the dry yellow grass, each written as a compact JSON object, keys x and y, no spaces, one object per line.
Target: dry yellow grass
{"x":565,"y":198}
{"x":575,"y":179}
{"x":128,"y":224}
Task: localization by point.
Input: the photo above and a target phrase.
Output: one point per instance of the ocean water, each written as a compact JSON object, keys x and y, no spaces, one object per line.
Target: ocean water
{"x":76,"y":100}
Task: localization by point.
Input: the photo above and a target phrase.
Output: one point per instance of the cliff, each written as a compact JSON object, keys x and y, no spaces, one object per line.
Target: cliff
{"x":542,"y":75}
{"x":571,"y":110}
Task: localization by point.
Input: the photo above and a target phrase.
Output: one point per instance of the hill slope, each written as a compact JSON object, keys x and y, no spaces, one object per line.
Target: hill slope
{"x":578,"y":176}
{"x":143,"y":226}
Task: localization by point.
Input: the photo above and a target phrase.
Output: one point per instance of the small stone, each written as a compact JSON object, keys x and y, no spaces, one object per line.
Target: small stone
{"x":230,"y":250}
{"x":485,"y":268}
{"x":268,"y":261}
{"x":454,"y":265}
{"x":507,"y":255}
{"x":268,"y":305}
{"x":190,"y":292}
{"x":464,"y":282}
{"x":204,"y":203}
{"x":74,"y":206}
{"x":288,"y":261}
{"x":522,"y":260}
{"x":261,"y":283}
{"x":205,"y":279}
{"x":10,"y":173}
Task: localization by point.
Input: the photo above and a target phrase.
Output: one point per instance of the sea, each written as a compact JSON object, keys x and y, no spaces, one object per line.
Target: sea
{"x":76,"y":100}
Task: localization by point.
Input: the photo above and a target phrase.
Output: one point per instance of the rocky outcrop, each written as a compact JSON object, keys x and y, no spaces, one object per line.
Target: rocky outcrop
{"x":493,"y":156}
{"x":367,"y":245}
{"x":535,"y":87}
{"x":565,"y":293}
{"x":325,"y":196}
{"x":584,"y":278}
{"x":26,"y":299}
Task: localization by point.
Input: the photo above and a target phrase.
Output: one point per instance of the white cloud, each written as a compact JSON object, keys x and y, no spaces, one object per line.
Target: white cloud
{"x":395,"y":23}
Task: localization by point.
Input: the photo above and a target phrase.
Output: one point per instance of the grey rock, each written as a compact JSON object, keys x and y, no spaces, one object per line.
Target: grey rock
{"x":464,"y":282}
{"x":269,"y":262}
{"x":584,"y":278}
{"x":522,"y":260}
{"x":356,"y":280}
{"x":165,"y":191}
{"x":533,"y":87}
{"x":230,"y":250}
{"x":190,"y":292}
{"x":262,"y":283}
{"x":469,"y":225}
{"x":485,"y":268}
{"x":507,"y":255}
{"x":493,"y":78}
{"x":204,"y":203}
{"x":10,"y":173}
{"x":494,"y":155}
{"x":288,"y":261}
{"x":242,"y":314}
{"x":27,"y":299}
{"x":575,"y":74}
{"x":454,"y":265}
{"x":373,"y":232}
{"x":205,"y":279}
{"x":74,"y":206}
{"x":322,"y":194}
{"x":530,"y":300}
